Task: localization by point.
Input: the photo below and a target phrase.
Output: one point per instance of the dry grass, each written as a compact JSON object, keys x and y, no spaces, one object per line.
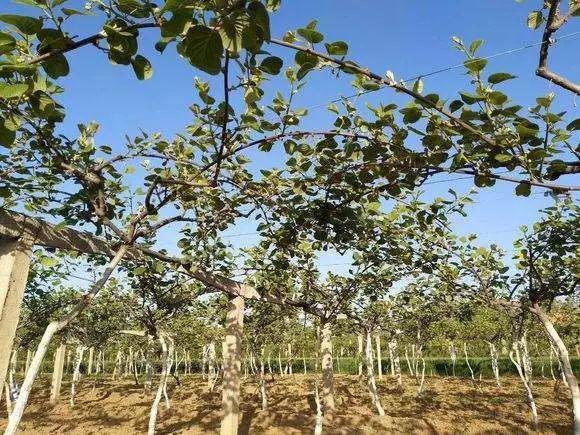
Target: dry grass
{"x":448,"y":405}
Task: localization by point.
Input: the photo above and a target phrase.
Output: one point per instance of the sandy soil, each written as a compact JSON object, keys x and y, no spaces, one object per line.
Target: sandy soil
{"x":448,"y":405}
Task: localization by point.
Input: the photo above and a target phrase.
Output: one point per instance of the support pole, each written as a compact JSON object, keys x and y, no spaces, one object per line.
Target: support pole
{"x":14,"y":265}
{"x":231,"y":351}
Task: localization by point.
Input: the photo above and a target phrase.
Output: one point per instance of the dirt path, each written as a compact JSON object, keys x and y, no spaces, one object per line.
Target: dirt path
{"x":448,"y":405}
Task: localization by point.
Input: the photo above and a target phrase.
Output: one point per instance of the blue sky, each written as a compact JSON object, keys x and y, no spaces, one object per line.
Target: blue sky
{"x":408,"y":38}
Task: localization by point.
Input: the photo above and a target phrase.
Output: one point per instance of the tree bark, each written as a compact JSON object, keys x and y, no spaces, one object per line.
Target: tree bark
{"x":14,"y":266}
{"x":360,"y":354}
{"x":516,"y":358}
{"x":565,"y":361}
{"x":232,"y":347}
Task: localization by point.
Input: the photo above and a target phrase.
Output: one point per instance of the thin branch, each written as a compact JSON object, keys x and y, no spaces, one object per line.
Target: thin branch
{"x":554,"y":22}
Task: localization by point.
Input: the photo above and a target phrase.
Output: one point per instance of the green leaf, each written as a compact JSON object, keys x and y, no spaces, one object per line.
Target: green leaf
{"x":502,"y":158}
{"x":411,"y":114}
{"x":535,"y":19}
{"x":574,"y":125}
{"x":455,"y":105}
{"x":475,"y":45}
{"x":7,"y":134}
{"x":470,"y":98}
{"x":7,"y":43}
{"x":260,"y":18}
{"x":203,"y":48}
{"x":500,"y":77}
{"x":311,"y":35}
{"x":142,"y":67}
{"x":70,"y":12}
{"x":475,"y":65}
{"x":418,"y":86}
{"x":176,"y":25}
{"x":271,"y":65}
{"x":338,"y":48}
{"x":523,"y":189}
{"x":498,"y":98}
{"x":27,"y":25}
{"x":12,"y":90}
{"x":56,"y":66}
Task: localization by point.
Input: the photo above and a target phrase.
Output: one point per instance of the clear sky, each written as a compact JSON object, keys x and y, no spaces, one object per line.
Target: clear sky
{"x":409,"y":38}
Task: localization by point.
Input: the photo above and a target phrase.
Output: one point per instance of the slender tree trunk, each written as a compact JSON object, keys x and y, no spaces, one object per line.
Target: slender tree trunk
{"x":232,"y":347}
{"x":422,"y":381}
{"x":372,"y":386}
{"x":379,"y":357}
{"x":516,"y":358}
{"x":304,"y":361}
{"x":327,"y":369}
{"x":360,"y":354}
{"x":494,"y":363}
{"x":162,"y":382}
{"x":28,"y":359}
{"x":263,"y":382}
{"x":467,"y":361}
{"x":148,"y":365}
{"x":564,"y":358}
{"x":53,"y":328}
{"x":396,"y":362}
{"x":90,"y":362}
{"x":76,"y":373}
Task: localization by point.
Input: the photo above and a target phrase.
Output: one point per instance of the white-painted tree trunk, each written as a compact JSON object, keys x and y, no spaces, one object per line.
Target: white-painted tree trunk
{"x":379,"y":357}
{"x":90,"y":361}
{"x":28,"y":360}
{"x":165,"y":369}
{"x":232,"y":348}
{"x":319,"y":415}
{"x":564,"y":359}
{"x":53,"y":328}
{"x":494,"y":362}
{"x":360,"y":354}
{"x":263,"y":393}
{"x":371,"y":384}
{"x":453,"y":354}
{"x":467,"y":361}
{"x":517,"y":359}
{"x":396,"y":362}
{"x":76,"y":373}
{"x":422,"y":381}
{"x":327,"y":369}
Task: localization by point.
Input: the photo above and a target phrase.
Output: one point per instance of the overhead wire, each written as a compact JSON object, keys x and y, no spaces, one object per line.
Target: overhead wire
{"x":340,"y":98}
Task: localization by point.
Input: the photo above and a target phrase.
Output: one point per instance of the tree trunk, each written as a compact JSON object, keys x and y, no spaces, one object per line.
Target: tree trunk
{"x":162,"y":383}
{"x":467,"y":361}
{"x":494,"y":363}
{"x":76,"y":373}
{"x":14,"y":264}
{"x":53,"y":328}
{"x":379,"y":361}
{"x":516,"y":358}
{"x":232,"y":347}
{"x":319,"y":414}
{"x":91,"y":358}
{"x":360,"y":354}
{"x":371,"y":375}
{"x":28,"y":359}
{"x":263,"y":383}
{"x":565,"y":361}
{"x":327,"y":369}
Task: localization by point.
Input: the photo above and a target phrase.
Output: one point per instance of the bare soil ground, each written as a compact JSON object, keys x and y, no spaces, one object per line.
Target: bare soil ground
{"x":449,"y":405}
